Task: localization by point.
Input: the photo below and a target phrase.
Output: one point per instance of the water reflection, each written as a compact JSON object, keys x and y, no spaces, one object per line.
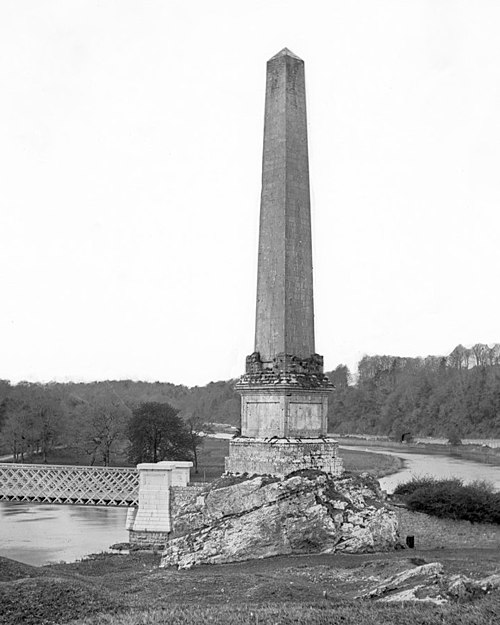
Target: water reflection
{"x":38,"y":534}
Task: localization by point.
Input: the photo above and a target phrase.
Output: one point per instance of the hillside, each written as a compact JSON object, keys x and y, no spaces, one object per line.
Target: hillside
{"x":454,"y":396}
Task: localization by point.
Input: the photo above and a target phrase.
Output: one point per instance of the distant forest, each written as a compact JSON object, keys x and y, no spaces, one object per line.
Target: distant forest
{"x":454,"y":396}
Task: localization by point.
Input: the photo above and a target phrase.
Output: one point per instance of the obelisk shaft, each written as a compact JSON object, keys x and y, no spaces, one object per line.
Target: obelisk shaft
{"x":285,"y":314}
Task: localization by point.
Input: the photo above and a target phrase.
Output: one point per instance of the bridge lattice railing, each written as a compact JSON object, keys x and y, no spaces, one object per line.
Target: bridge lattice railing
{"x":94,"y":486}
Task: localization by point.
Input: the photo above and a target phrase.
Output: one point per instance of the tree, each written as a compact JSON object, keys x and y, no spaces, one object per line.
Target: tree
{"x":156,"y":433}
{"x":5,"y":389}
{"x":480,"y":352}
{"x":459,"y":358}
{"x":340,"y":377}
{"x":48,"y":418}
{"x":34,"y":422}
{"x":16,"y":431}
{"x":197,"y":432}
{"x":99,"y":427}
{"x":453,"y":435}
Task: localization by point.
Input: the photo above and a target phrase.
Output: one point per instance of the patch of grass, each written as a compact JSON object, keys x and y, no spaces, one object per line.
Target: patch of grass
{"x":211,"y":459}
{"x":47,"y":601}
{"x":132,"y":590}
{"x":376,"y":464}
{"x":452,"y":499}
{"x":484,"y":612}
{"x":11,"y":570}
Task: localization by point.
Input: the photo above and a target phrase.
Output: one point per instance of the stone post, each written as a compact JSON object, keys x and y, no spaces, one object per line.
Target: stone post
{"x":151,"y":523}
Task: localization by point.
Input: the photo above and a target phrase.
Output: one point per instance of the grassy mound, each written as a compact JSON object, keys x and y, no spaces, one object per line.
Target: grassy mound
{"x":50,"y":601}
{"x":11,"y":570}
{"x":452,"y":499}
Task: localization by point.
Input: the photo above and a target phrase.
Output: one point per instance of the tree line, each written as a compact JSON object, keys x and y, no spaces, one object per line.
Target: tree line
{"x":100,"y":423}
{"x":457,"y":395}
{"x":454,"y":396}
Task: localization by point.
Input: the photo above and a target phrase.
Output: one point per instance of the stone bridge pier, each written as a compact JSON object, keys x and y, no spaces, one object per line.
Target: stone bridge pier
{"x":162,"y":486}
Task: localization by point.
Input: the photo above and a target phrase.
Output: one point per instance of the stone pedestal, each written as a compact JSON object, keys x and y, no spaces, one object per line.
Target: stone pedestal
{"x":282,"y":456}
{"x":283,"y":411}
{"x":150,"y":523}
{"x":286,"y":397}
{"x":284,"y":423}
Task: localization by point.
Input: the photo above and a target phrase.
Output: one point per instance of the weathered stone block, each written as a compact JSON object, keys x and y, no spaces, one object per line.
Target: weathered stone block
{"x":281,"y":456}
{"x":282,"y":411}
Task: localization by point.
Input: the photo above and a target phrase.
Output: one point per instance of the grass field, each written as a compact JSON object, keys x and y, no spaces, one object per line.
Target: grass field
{"x":132,"y":590}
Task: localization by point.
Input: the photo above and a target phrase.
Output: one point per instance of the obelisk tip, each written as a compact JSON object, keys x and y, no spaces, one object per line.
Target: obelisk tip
{"x":286,"y":52}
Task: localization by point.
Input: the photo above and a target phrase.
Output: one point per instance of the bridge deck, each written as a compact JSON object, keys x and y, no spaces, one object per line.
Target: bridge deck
{"x":87,"y":486}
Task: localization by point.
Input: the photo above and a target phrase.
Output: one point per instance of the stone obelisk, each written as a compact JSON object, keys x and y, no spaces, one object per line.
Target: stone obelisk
{"x":285,"y":317}
{"x":284,"y":390}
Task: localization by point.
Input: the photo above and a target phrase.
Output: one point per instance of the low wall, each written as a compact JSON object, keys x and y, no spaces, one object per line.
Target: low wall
{"x":179,"y":495}
{"x":434,"y":533}
{"x":148,"y":540}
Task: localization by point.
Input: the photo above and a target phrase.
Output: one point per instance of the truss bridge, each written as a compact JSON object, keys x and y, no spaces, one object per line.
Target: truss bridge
{"x":60,"y":484}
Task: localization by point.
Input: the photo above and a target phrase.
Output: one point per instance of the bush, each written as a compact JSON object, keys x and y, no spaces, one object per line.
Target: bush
{"x":452,"y":499}
{"x":454,"y":438}
{"x":407,"y":488}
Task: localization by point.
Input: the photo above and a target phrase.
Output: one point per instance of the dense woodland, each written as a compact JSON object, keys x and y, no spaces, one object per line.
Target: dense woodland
{"x":453,"y":396}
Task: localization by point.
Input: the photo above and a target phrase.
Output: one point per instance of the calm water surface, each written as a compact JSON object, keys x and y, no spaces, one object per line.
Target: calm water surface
{"x":38,"y":534}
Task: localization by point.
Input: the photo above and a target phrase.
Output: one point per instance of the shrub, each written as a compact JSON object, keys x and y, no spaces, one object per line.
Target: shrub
{"x":452,"y":499}
{"x":407,"y":488}
{"x":454,"y":439}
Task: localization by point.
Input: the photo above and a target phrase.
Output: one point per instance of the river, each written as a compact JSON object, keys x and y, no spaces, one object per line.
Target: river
{"x":419,"y":465}
{"x":38,"y":534}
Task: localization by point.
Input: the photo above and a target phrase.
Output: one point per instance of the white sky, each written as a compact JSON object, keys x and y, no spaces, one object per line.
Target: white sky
{"x":130,"y":155}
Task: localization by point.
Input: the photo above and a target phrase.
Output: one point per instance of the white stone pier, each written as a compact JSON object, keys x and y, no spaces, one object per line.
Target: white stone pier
{"x":151,"y":522}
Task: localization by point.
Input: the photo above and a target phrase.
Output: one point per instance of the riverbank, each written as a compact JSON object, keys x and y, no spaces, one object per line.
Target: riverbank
{"x":314,"y":590}
{"x":476,"y":453}
{"x":376,"y":464}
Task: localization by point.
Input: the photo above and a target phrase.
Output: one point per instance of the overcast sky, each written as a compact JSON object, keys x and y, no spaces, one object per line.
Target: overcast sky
{"x":130,"y":156}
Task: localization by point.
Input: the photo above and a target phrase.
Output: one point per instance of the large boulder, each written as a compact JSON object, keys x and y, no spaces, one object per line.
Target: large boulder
{"x":307,"y":512}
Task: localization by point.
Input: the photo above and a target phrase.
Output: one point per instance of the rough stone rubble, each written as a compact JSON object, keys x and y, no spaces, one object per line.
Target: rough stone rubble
{"x":308,"y":512}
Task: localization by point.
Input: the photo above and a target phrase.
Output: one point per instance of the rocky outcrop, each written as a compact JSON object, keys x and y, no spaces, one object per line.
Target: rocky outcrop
{"x":308,"y":512}
{"x":428,"y":583}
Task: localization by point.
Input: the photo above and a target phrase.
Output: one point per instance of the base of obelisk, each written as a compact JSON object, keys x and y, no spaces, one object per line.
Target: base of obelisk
{"x":282,"y":456}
